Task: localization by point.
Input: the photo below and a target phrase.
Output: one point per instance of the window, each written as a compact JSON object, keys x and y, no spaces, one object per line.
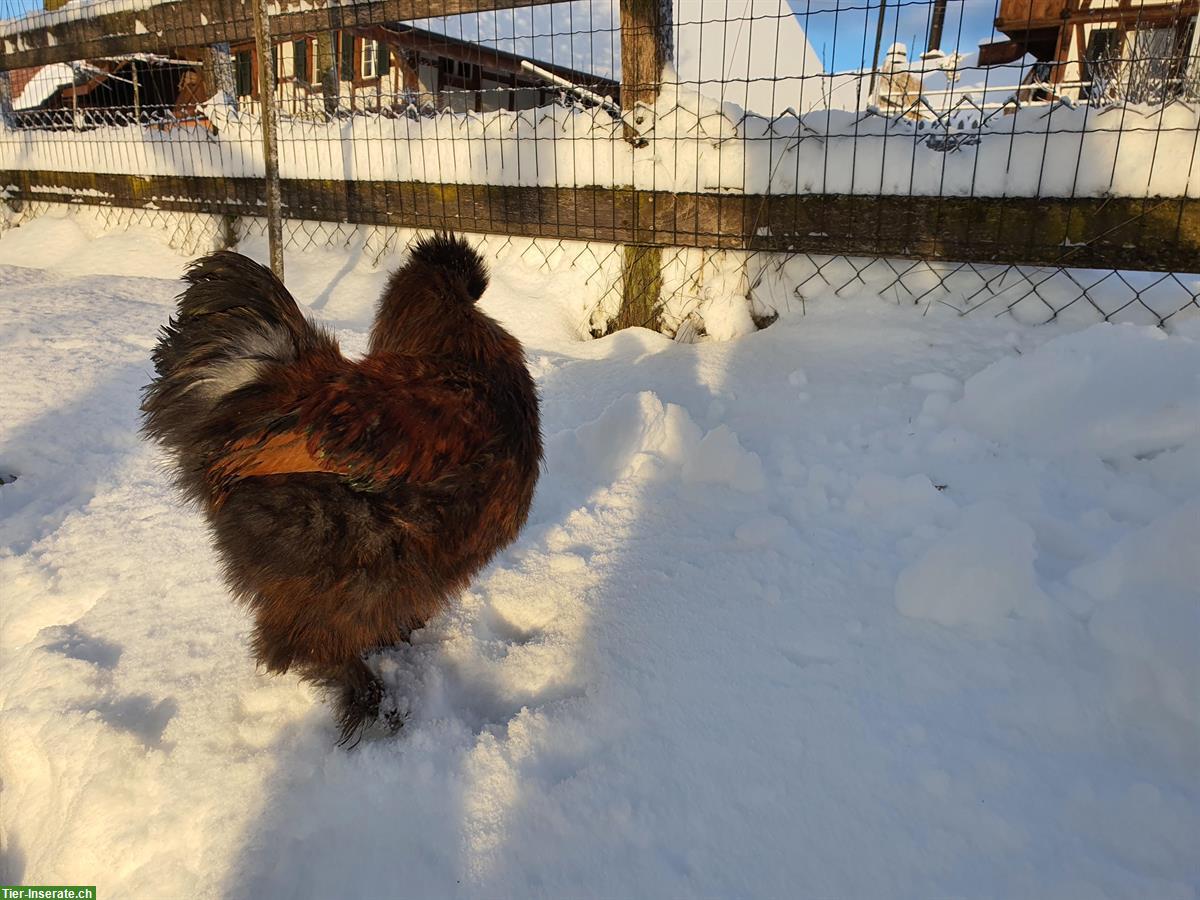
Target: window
{"x":300,"y":59}
{"x":427,"y":77}
{"x":370,"y":54}
{"x":1158,"y":60}
{"x":1147,"y":64}
{"x":282,"y":54}
{"x":376,"y":59}
{"x":493,"y":93}
{"x":528,"y":95}
{"x":1191,"y":69}
{"x":245,"y":74}
{"x":1102,"y":61}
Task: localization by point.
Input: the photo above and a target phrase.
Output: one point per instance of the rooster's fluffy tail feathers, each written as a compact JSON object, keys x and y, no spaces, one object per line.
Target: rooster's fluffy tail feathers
{"x":235,"y":320}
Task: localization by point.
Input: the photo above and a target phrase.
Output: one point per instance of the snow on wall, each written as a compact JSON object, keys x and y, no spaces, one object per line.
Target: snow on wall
{"x":749,"y":52}
{"x":696,"y":144}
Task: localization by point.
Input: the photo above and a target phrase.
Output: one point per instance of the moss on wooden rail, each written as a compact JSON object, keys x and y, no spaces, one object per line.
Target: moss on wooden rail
{"x":1159,"y":234}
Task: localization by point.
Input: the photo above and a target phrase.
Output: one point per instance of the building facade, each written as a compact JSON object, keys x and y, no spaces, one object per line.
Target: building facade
{"x":1135,"y":50}
{"x":401,"y":68}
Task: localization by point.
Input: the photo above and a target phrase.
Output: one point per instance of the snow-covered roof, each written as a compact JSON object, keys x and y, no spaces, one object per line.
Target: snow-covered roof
{"x":43,"y":85}
{"x":743,"y":50}
{"x":73,"y":11}
{"x":748,"y":44}
{"x":580,"y":35}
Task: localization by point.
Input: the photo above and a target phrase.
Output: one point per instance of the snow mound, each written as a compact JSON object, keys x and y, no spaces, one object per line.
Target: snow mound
{"x":898,"y":502}
{"x":640,"y":436}
{"x":979,"y":574}
{"x":635,"y":430}
{"x":720,"y":459}
{"x":936,"y":382}
{"x":1111,"y":390}
{"x":1147,"y":595}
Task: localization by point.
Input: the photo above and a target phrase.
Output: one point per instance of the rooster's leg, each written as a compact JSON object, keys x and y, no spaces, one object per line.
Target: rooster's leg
{"x":356,"y":693}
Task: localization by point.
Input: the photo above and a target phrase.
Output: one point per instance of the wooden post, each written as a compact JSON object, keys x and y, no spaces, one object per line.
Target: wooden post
{"x":266,"y":99}
{"x":137,"y":92}
{"x":936,"y":24}
{"x":76,"y":124}
{"x":646,"y":46}
{"x":878,"y":45}
{"x":641,"y":289}
{"x":6,"y":107}
{"x":325,"y":62}
{"x":219,"y":78}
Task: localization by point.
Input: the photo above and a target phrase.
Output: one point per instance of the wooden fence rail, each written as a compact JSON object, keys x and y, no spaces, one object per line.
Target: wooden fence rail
{"x":1140,"y":234}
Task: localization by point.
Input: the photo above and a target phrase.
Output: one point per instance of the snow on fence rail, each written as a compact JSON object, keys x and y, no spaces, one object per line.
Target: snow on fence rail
{"x":1048,"y":151}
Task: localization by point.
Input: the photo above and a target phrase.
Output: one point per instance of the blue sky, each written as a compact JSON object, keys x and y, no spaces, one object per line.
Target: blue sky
{"x":842,"y":32}
{"x":10,"y":9}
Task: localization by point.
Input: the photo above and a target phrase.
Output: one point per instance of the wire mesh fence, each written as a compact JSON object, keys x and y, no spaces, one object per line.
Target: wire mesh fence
{"x":1038,"y":156}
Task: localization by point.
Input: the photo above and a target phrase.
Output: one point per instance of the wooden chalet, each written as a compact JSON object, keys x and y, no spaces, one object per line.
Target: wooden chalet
{"x":371,"y":68}
{"x":399,"y":66}
{"x":1090,"y":47}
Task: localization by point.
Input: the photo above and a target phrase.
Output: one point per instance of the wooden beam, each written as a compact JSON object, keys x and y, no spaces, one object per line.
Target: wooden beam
{"x":647,"y":45}
{"x":198,"y":23}
{"x":1126,"y":16}
{"x":270,"y":119}
{"x":1154,"y":234}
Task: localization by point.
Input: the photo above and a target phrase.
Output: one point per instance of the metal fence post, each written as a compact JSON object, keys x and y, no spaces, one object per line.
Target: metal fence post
{"x":266,"y":96}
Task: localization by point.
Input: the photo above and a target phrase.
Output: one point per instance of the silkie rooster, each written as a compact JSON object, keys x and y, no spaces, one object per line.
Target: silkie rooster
{"x":349,"y":501}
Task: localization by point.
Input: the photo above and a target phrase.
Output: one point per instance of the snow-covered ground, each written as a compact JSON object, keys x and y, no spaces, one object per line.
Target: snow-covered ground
{"x":869,"y":604}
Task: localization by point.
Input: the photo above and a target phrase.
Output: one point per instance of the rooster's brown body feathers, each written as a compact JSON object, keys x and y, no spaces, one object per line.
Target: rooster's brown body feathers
{"x":349,"y":500}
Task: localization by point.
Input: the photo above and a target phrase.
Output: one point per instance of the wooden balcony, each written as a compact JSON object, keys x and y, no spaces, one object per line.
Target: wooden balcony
{"x":1020,"y":16}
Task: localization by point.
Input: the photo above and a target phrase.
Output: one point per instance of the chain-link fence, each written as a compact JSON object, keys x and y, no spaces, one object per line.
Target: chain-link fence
{"x":1009,"y":155}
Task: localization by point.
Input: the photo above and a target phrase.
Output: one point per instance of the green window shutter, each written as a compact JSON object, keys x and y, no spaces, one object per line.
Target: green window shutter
{"x":384,"y":63}
{"x":245,"y":74}
{"x":300,"y":59}
{"x":347,"y":68}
